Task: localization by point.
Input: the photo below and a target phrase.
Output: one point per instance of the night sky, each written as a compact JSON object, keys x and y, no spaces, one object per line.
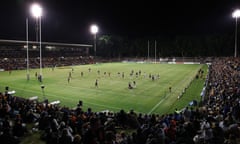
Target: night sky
{"x":69,"y":20}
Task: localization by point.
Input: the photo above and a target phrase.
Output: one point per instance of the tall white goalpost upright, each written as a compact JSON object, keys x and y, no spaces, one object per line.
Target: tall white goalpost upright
{"x":155,"y":51}
{"x":148,"y":52}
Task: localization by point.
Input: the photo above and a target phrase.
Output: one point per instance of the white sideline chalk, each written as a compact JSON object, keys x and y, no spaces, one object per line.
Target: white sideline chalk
{"x":33,"y":98}
{"x":11,"y":92}
{"x":55,"y":102}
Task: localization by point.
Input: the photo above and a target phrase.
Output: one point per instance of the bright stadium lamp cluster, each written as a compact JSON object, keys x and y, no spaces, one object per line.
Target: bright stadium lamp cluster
{"x":36,"y":10}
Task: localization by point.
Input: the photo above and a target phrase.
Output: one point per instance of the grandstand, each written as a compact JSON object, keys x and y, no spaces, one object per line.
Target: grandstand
{"x":16,"y":50}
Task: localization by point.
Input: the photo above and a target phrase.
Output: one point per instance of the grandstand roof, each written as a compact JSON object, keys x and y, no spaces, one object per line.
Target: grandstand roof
{"x":44,"y":43}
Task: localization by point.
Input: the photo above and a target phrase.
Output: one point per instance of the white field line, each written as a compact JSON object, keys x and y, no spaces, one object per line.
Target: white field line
{"x":158,"y":104}
{"x":57,"y":96}
{"x":165,"y":97}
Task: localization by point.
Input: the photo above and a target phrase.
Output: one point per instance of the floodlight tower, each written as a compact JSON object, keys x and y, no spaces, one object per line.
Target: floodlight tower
{"x":36,"y":11}
{"x":236,"y":15}
{"x":94,"y":31}
{"x":28,"y":76}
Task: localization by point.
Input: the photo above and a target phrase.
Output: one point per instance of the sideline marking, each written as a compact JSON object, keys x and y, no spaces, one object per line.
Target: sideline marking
{"x":158,"y":104}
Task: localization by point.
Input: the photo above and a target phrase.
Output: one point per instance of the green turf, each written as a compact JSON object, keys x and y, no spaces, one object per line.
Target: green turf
{"x":113,"y":93}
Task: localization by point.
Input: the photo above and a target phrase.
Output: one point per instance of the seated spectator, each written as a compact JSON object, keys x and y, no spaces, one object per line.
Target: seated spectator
{"x":65,"y":138}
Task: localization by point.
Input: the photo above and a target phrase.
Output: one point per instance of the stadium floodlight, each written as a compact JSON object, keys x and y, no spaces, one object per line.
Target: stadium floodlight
{"x":94,"y":31}
{"x":236,"y":15}
{"x":36,"y":11}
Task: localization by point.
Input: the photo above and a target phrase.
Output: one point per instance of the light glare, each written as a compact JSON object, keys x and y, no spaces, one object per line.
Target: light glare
{"x":94,"y":29}
{"x":36,"y":10}
{"x":236,"y":13}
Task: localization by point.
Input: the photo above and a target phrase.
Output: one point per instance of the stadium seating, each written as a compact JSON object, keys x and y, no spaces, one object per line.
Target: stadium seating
{"x":217,"y":121}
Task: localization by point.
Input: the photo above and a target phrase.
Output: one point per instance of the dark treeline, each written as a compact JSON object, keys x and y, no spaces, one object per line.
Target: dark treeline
{"x":166,"y":46}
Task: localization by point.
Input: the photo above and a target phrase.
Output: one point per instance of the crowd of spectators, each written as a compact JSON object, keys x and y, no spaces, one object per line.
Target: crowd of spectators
{"x":215,"y":122}
{"x":15,"y":57}
{"x":21,"y":63}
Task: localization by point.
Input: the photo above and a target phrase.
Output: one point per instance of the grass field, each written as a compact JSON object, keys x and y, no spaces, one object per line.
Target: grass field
{"x":149,"y":96}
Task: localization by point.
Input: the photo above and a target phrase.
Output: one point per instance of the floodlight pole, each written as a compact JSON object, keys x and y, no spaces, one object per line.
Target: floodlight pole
{"x":235,"y":49}
{"x":236,"y":15}
{"x":37,"y":13}
{"x":95,"y":44}
{"x":40,"y":46}
{"x":28,"y":77}
{"x":94,"y":30}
